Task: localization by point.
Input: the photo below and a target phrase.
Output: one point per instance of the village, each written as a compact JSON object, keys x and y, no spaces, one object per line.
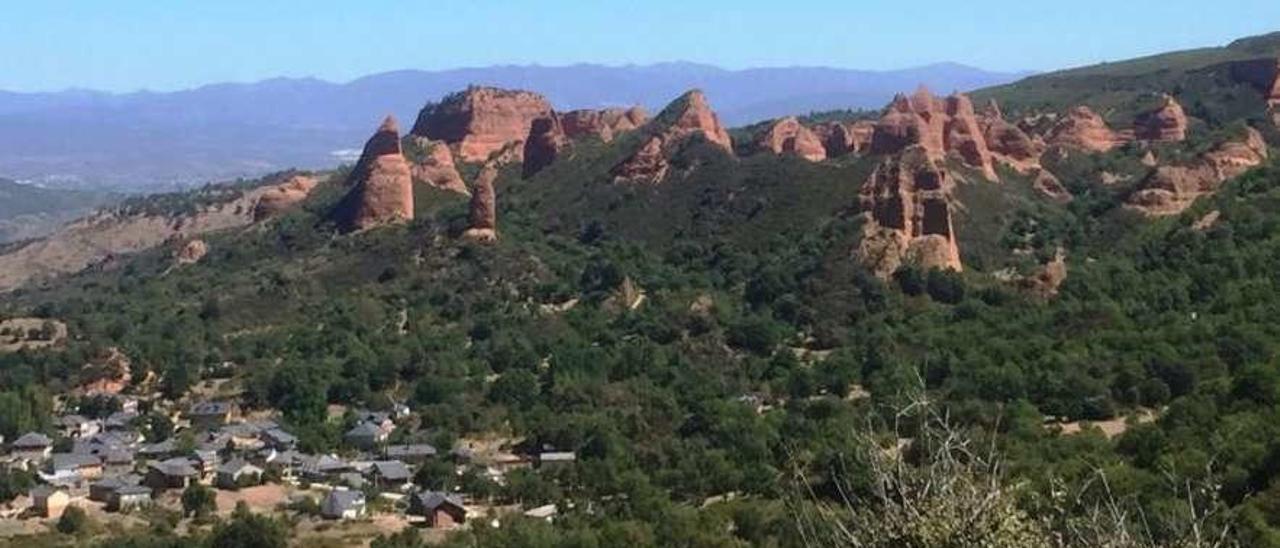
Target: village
{"x":107,"y":467}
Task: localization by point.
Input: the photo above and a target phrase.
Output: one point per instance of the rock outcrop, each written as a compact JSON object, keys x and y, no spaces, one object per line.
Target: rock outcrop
{"x":788,"y":136}
{"x":1049,"y":277}
{"x":484,"y":207}
{"x":282,"y":197}
{"x":1171,"y":189}
{"x":940,"y":127}
{"x":1263,"y":75}
{"x":602,"y":124}
{"x":1049,"y":185}
{"x":649,"y":164}
{"x":546,"y":140}
{"x":842,"y":138}
{"x":1008,"y":143}
{"x":432,"y":163}
{"x":1083,"y":129}
{"x":685,"y":118}
{"x":909,"y":206}
{"x":381,"y":184}
{"x":482,"y":120}
{"x":1166,"y":123}
{"x":191,"y":252}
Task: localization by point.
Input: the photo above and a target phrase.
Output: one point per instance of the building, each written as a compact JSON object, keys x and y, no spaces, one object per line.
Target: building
{"x":103,"y":490}
{"x":365,"y":436}
{"x":210,"y":415}
{"x":440,"y":510}
{"x":49,"y":502}
{"x":279,"y":440}
{"x":206,"y":462}
{"x":414,"y":454}
{"x":321,"y":468}
{"x":175,"y":473}
{"x":32,"y":446}
{"x":89,"y":467}
{"x":343,"y":504}
{"x":76,"y":426}
{"x":390,"y":474}
{"x":237,"y":473}
{"x":129,"y":497}
{"x":556,"y":458}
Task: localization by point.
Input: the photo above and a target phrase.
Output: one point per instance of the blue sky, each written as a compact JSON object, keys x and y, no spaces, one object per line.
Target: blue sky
{"x":125,"y":45}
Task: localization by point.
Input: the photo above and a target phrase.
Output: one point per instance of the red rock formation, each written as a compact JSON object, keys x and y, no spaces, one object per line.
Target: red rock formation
{"x":939,"y":126}
{"x":1049,"y":185}
{"x":686,"y":117}
{"x":908,"y":201}
{"x":1083,"y":129}
{"x":482,"y":120}
{"x":1263,"y":75}
{"x":382,"y":186}
{"x":484,"y":207}
{"x":649,"y":164}
{"x":191,"y":252}
{"x":692,"y":115}
{"x":432,"y":163}
{"x":1167,"y":122}
{"x":546,"y":140}
{"x":1008,"y":143}
{"x":283,"y":196}
{"x":1172,"y":189}
{"x":789,"y":136}
{"x":1049,"y":277}
{"x":841,"y":138}
{"x":602,"y":124}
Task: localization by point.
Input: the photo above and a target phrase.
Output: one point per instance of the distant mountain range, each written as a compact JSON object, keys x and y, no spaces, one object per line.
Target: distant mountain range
{"x":151,"y":141}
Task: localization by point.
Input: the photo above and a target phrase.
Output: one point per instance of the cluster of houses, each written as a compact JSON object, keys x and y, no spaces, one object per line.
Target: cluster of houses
{"x":109,"y":461}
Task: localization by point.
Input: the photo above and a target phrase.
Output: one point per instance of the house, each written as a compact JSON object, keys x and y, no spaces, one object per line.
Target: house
{"x":89,"y":467}
{"x":322,"y":468}
{"x":161,"y":450}
{"x":32,"y":446}
{"x":103,"y":490}
{"x":282,"y":463}
{"x":210,"y":415}
{"x":390,"y":474}
{"x":379,"y":419}
{"x":365,"y":435}
{"x":117,"y":461}
{"x":441,"y":510}
{"x":48,"y":501}
{"x":176,"y":473}
{"x":243,"y":436}
{"x":343,"y":504}
{"x":415,"y":453}
{"x":237,"y":473}
{"x":352,"y":480}
{"x":128,"y":498}
{"x":278,"y":439}
{"x":77,"y":426}
{"x":206,"y":462}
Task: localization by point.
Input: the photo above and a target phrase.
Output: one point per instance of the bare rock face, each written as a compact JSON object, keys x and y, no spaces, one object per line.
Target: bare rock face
{"x":191,"y":252}
{"x":381,"y":185}
{"x":1049,"y":185}
{"x":842,"y":138}
{"x":1172,"y":189}
{"x":939,"y":126}
{"x":1083,"y":129}
{"x":546,"y":140}
{"x":484,"y":207}
{"x":282,"y":197}
{"x":433,"y":164}
{"x":602,"y":124}
{"x":649,"y":164}
{"x":789,"y":136}
{"x":909,"y":204}
{"x":1167,"y":123}
{"x":1008,"y":143}
{"x":482,"y":120}
{"x":690,"y":115}
{"x":1263,"y":75}
{"x":687,"y":117}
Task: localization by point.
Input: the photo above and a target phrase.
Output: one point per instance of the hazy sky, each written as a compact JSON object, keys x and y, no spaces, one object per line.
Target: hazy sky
{"x":124,"y":45}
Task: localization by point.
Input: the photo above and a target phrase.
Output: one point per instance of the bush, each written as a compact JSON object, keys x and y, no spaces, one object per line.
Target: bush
{"x":74,"y":521}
